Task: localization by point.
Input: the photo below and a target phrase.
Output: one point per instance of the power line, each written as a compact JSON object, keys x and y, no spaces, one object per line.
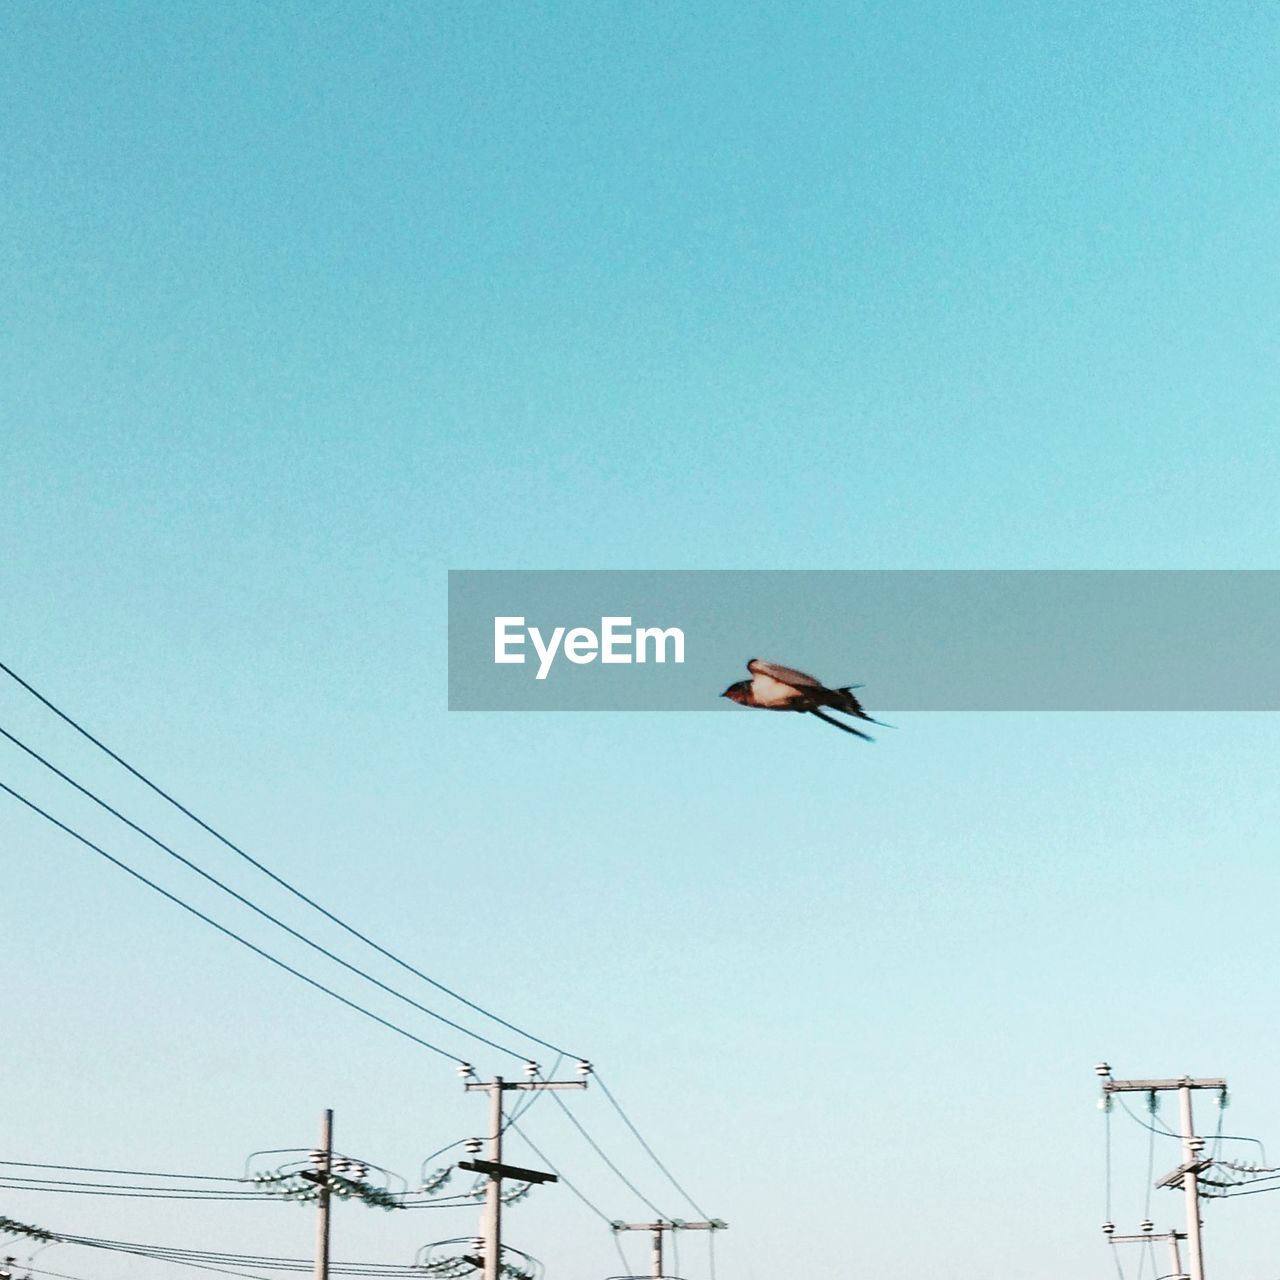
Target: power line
{"x":58,"y":1275}
{"x":617,"y":1106}
{"x":595,"y":1146}
{"x":600,"y":1213}
{"x":1151,"y":1170}
{"x":1160,"y":1129}
{"x":221,"y":928}
{"x":271,"y":875}
{"x":261,"y":867}
{"x":402,"y":1200}
{"x":1107,"y":1118}
{"x":204,"y":1196}
{"x":319,"y":986}
{"x":68,"y":1186}
{"x":195,"y":1257}
{"x":1218,"y":1137}
{"x":112,"y":1246}
{"x":253,"y":906}
{"x":124,"y":1173}
{"x":40,"y":1183}
{"x":617,"y":1244}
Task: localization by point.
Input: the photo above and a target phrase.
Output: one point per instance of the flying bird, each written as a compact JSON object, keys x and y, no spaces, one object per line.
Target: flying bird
{"x":778,"y":688}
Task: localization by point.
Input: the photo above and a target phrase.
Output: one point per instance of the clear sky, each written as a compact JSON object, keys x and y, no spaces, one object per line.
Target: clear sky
{"x":305,"y":305}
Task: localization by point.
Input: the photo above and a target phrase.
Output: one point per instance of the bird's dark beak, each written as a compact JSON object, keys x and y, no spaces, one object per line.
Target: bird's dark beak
{"x":727,"y":692}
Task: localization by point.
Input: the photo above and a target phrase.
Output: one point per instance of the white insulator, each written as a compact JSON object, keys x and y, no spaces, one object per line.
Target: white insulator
{"x":1148,"y":1225}
{"x":1103,"y":1069}
{"x":532,"y":1069}
{"x":584,"y":1067}
{"x":465,"y":1069}
{"x":1109,"y":1227}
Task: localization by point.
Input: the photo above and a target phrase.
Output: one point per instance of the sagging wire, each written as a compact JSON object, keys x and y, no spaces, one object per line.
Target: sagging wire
{"x":617,"y":1244}
{"x":595,"y":1146}
{"x":253,"y":906}
{"x":265,"y":870}
{"x":1106,"y":1113}
{"x":604,"y":1217}
{"x":123,"y":1173}
{"x":221,"y":928}
{"x":617,"y":1106}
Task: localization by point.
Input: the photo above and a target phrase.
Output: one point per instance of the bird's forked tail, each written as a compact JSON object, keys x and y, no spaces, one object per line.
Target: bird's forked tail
{"x":846,"y":702}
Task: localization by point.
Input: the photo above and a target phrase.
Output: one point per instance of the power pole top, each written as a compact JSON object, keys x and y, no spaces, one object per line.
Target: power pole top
{"x":494,"y":1168}
{"x":1193,"y":1164}
{"x":483,"y":1086}
{"x":675,"y":1224}
{"x":1160,"y":1086}
{"x":657,"y":1228}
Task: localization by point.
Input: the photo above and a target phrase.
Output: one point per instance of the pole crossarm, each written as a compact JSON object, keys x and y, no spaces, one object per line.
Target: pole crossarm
{"x":1178,"y":1177}
{"x":676,"y":1224}
{"x":484,"y":1086}
{"x":1172,"y":1237}
{"x":657,"y":1228}
{"x":1160,"y":1086}
{"x":506,"y":1171}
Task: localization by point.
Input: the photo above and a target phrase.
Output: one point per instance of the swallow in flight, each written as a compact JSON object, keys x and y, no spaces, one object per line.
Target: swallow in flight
{"x":777,"y":688}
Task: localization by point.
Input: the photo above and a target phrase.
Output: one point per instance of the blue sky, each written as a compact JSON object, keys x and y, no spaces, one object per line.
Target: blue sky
{"x":306,"y":305}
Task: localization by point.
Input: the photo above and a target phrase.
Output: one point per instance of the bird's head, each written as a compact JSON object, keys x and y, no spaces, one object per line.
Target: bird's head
{"x":738,"y":692}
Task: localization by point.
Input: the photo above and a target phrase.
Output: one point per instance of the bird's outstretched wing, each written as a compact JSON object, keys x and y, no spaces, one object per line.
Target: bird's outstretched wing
{"x":839,"y":724}
{"x":784,"y":675}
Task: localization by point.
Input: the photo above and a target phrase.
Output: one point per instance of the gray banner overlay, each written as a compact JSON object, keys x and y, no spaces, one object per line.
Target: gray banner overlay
{"x":943,"y":640}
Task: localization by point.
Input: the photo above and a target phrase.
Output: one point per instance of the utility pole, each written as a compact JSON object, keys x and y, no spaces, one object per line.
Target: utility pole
{"x":661,"y":1226}
{"x":323,"y":1157}
{"x":1193,"y":1164}
{"x":493,"y":1166}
